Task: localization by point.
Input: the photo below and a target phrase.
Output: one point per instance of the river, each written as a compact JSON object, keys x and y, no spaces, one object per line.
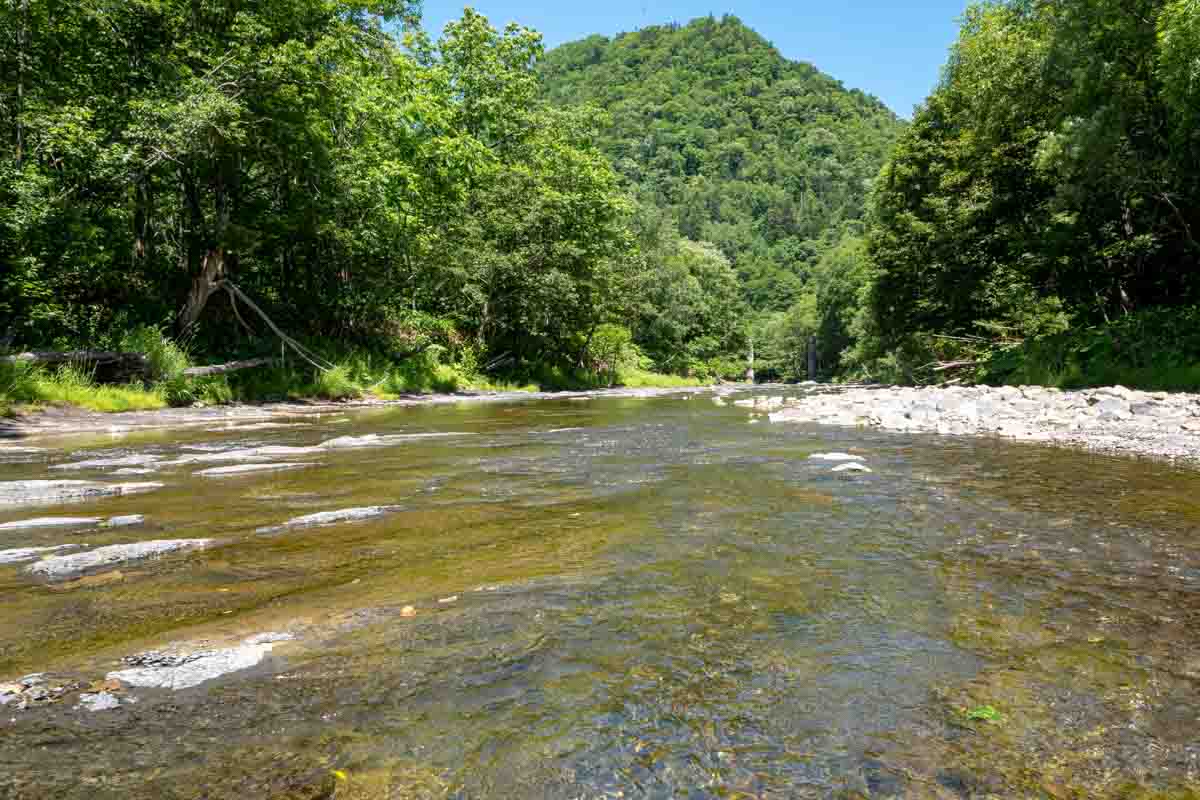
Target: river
{"x":613,"y":597}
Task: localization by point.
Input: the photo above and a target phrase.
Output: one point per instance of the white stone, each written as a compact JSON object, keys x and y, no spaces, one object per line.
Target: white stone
{"x":59,"y":566}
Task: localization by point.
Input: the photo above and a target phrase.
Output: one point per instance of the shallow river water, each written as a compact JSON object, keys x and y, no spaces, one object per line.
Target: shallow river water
{"x":617,"y":598}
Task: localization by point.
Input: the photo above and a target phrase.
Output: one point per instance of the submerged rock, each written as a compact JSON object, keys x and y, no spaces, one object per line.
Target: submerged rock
{"x":42,"y":492}
{"x":331,"y":517}
{"x":241,"y":469}
{"x":183,"y":670}
{"x":60,"y":566}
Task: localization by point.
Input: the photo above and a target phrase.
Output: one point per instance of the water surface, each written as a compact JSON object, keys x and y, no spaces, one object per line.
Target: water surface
{"x":652,"y":597}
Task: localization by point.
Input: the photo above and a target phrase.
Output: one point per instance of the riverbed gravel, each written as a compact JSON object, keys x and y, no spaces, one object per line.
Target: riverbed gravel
{"x":1112,"y":419}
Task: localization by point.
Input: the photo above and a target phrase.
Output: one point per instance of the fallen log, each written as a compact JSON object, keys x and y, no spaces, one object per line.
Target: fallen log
{"x":104,"y":366}
{"x":232,"y":366}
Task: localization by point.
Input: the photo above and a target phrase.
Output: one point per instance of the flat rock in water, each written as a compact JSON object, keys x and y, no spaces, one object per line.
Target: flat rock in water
{"x":61,"y":566}
{"x":241,"y":469}
{"x":44,"y":492}
{"x":834,"y":457}
{"x":171,"y":671}
{"x":331,"y":517}
{"x":851,"y":467}
{"x":136,"y":460}
{"x":20,"y":554}
{"x":377,"y":440}
{"x":124,"y":521}
{"x":98,"y":701}
{"x":249,"y":455}
{"x":49,"y":522}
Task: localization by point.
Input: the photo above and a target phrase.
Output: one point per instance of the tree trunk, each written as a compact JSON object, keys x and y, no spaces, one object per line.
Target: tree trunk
{"x":22,"y":56}
{"x":204,"y":284}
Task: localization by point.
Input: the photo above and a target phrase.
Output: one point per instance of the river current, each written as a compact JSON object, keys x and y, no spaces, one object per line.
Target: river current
{"x":616,"y":597}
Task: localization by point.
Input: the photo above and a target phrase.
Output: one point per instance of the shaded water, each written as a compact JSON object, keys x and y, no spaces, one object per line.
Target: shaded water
{"x":654,"y":599}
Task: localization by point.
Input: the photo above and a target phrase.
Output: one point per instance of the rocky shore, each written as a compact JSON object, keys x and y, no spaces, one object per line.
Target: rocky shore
{"x":1112,"y":419}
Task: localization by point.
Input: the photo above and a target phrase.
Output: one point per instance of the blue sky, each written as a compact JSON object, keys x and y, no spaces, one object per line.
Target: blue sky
{"x":890,"y":48}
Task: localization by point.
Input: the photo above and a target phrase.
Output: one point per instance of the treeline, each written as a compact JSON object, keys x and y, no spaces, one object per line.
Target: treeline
{"x":364,"y":184}
{"x":1044,"y":204}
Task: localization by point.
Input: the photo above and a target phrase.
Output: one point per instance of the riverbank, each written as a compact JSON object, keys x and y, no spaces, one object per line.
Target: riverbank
{"x":67,"y":420}
{"x":1112,"y":419}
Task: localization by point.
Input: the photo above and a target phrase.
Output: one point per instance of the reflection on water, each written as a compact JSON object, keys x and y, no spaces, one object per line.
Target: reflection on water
{"x":625,"y":598}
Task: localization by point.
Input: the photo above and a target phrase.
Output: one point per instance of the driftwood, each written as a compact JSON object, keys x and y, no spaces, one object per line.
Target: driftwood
{"x":221,"y":369}
{"x":104,"y":366}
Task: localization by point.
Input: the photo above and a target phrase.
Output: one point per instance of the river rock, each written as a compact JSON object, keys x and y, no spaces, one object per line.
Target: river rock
{"x":184,"y":670}
{"x":242,"y":469}
{"x":44,"y":492}
{"x":834,"y":457}
{"x":62,"y":566}
{"x":383,"y":440}
{"x":331,"y":518}
{"x":245,"y":454}
{"x":98,"y":701}
{"x":123,"y":521}
{"x":133,"y":460}
{"x":17,"y":555}
{"x":1114,"y":419}
{"x":49,"y":522}
{"x":851,"y":467}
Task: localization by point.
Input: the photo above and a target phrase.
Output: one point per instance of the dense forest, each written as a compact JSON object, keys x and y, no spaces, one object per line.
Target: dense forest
{"x":727,"y":144}
{"x":375,"y":191}
{"x":1038,"y":220}
{"x":426,"y":211}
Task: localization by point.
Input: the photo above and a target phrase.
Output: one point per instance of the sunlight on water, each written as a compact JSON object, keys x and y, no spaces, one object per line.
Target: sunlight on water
{"x":614,"y":598}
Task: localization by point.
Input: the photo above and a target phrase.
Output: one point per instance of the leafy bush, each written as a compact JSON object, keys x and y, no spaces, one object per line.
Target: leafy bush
{"x":1151,"y":349}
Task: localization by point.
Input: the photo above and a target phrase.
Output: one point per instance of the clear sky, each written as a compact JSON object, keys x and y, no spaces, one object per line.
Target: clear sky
{"x":892,"y":49}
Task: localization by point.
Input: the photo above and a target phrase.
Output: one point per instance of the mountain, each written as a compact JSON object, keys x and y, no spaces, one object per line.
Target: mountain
{"x":768,"y":159}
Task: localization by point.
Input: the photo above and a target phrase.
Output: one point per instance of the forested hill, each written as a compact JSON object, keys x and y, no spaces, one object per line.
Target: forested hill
{"x":768,"y":159}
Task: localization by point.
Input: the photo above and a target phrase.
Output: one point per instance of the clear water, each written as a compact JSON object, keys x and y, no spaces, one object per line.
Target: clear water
{"x":654,"y":599}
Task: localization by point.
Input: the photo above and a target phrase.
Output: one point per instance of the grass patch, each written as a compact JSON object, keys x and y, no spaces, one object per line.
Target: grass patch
{"x":21,"y":385}
{"x":641,"y":379}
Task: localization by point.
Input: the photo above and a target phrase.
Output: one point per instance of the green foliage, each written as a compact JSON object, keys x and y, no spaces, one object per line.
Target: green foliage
{"x":372,"y":188}
{"x":611,"y":350}
{"x":983,"y":714}
{"x":1051,"y":182}
{"x":1156,"y":349}
{"x":742,"y":148}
